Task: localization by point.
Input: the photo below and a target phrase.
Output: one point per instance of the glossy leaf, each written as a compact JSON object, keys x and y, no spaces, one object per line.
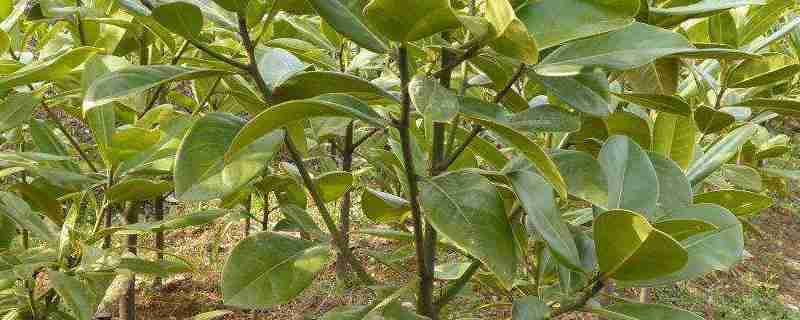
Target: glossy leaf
{"x":537,"y":198}
{"x":710,"y":251}
{"x":201,"y":169}
{"x":768,"y":69}
{"x":554,"y":22}
{"x":586,"y":92}
{"x":383,"y":207}
{"x":674,"y":189}
{"x":547,"y":118}
{"x":20,"y":212}
{"x":332,"y":185}
{"x":405,"y":21}
{"x":75,"y":294}
{"x":49,"y":68}
{"x":663,"y":103}
{"x":435,"y":102}
{"x":741,"y":203}
{"x":709,"y":120}
{"x":349,"y":24}
{"x":719,"y":153}
{"x":268,"y":269}
{"x":584,"y":176}
{"x":632,"y":179}
{"x":275,"y":65}
{"x":182,"y":18}
{"x":629,"y":248}
{"x":315,"y":83}
{"x":789,"y":107}
{"x":681,"y":229}
{"x":627,"y":48}
{"x":136,"y":79}
{"x":137,"y":189}
{"x":466,"y":208}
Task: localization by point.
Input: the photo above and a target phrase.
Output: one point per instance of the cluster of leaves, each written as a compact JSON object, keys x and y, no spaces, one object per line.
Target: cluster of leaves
{"x":556,"y":146}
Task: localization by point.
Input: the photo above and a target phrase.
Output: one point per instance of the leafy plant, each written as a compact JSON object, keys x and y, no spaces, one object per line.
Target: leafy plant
{"x":554,"y":155}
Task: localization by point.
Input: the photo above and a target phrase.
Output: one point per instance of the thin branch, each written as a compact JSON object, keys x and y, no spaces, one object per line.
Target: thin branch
{"x":207,"y":97}
{"x":217,"y":55}
{"x":161,"y":87}
{"x":595,"y":288}
{"x":252,"y":67}
{"x":366,"y":137}
{"x":472,"y":50}
{"x":425,"y":306}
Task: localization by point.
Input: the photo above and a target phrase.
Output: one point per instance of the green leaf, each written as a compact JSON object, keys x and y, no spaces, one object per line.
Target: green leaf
{"x":17,"y":109}
{"x":333,"y":185}
{"x":137,"y":189}
{"x":238,"y":6}
{"x":547,"y":118}
{"x":630,"y":249}
{"x":466,"y":208}
{"x":306,"y":85}
{"x":201,"y":169}
{"x":303,"y":220}
{"x":410,"y":20}
{"x":675,"y":137}
{"x":50,"y":68}
{"x":383,"y":207}
{"x":554,"y":22}
{"x":584,"y":176}
{"x":632,"y":179}
{"x":709,"y":120}
{"x":652,"y":311}
{"x":529,"y":308}
{"x":710,"y":251}
{"x":741,"y":203}
{"x":761,"y":19}
{"x":511,"y":36}
{"x":586,"y":92}
{"x":673,"y":15}
{"x":275,"y":65}
{"x":268,"y":269}
{"x":40,"y":199}
{"x":74,"y":294}
{"x":632,"y":126}
{"x":537,"y":198}
{"x":348,"y":24}
{"x":182,"y":18}
{"x":20,"y":212}
{"x":681,"y":229}
{"x":743,"y":176}
{"x":719,"y":153}
{"x":5,"y":42}
{"x":134,"y":80}
{"x":435,"y":102}
{"x":628,"y":48}
{"x":768,"y":69}
{"x":47,"y":142}
{"x":279,"y":116}
{"x":788,"y":107}
{"x":532,"y":151}
{"x":722,"y":29}
{"x":674,"y":189}
{"x":658,"y":102}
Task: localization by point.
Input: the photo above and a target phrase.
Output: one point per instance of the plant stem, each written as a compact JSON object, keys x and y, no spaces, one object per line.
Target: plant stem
{"x":252,"y":67}
{"x":424,"y":301}
{"x":158,"y":210}
{"x":595,"y":288}
{"x":127,"y":304}
{"x":471,"y":51}
{"x":344,"y":249}
{"x":346,"y":202}
{"x":248,"y":206}
{"x":207,"y":97}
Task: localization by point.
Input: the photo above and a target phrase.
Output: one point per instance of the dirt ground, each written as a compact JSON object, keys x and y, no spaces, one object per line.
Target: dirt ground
{"x":766,"y":285}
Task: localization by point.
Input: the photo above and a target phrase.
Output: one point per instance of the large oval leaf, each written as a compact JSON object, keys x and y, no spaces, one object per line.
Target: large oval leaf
{"x":136,"y":79}
{"x":410,"y":20}
{"x":383,"y":207}
{"x":630,"y":249}
{"x":584,"y":176}
{"x":586,"y":92}
{"x":554,"y":22}
{"x":768,"y":69}
{"x":137,"y":189}
{"x":466,"y":208}
{"x":201,"y":172}
{"x":50,"y":68}
{"x":182,"y":18}
{"x":348,"y":24}
{"x":628,"y":48}
{"x":537,"y":198}
{"x":741,"y":203}
{"x":17,"y":109}
{"x":311,"y":84}
{"x":674,"y":189}
{"x":632,"y":180}
{"x":283,"y":114}
{"x":268,"y":269}
{"x":658,"y":102}
{"x":718,"y":249}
